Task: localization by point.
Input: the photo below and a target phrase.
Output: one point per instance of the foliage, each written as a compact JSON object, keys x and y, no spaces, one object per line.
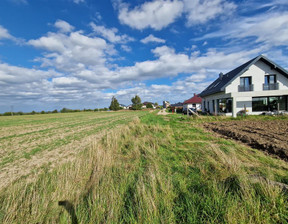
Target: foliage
{"x":149,"y":105}
{"x":136,"y":103}
{"x":114,"y":104}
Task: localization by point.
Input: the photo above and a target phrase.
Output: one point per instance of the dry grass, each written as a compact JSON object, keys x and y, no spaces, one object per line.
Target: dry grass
{"x":154,"y":171}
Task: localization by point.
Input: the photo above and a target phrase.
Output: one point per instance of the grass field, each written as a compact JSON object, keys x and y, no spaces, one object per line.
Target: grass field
{"x":156,"y":169}
{"x":28,"y":143}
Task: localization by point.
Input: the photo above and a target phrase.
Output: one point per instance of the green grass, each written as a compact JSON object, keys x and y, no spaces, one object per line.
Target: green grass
{"x":154,"y":170}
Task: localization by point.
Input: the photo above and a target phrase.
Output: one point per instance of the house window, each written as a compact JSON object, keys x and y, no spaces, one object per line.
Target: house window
{"x":225,"y":105}
{"x":259,"y":104}
{"x":269,"y":103}
{"x":270,"y":83}
{"x":245,"y":84}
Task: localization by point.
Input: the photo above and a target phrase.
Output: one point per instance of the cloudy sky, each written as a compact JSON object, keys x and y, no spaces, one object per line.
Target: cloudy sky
{"x":80,"y":53}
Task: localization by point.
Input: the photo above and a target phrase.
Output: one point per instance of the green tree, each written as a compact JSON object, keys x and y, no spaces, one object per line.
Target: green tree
{"x":114,"y":104}
{"x":136,"y":103}
{"x":149,"y":105}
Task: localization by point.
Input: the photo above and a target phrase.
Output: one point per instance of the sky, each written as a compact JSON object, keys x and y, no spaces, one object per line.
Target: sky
{"x":80,"y":53}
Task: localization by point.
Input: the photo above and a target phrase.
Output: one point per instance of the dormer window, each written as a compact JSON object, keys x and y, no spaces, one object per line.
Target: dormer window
{"x":245,"y":84}
{"x":270,"y":83}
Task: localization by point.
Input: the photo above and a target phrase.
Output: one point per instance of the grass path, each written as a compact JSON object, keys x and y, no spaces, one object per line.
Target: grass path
{"x":155,"y":170}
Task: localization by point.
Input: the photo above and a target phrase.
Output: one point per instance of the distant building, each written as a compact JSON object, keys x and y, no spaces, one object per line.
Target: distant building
{"x":193,"y":103}
{"x":123,"y":106}
{"x":144,"y":105}
{"x":166,"y":104}
{"x":177,"y":105}
{"x":255,"y":87}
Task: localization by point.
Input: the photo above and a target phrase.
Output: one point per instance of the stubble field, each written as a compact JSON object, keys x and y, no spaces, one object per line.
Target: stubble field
{"x":29,"y":143}
{"x":135,"y":167}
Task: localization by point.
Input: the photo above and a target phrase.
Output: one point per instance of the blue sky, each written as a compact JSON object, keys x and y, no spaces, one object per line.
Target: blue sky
{"x":80,"y":53}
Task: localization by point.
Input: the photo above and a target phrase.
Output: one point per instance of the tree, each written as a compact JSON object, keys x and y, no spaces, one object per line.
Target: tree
{"x":149,"y":105}
{"x":114,"y":104}
{"x":136,"y":103}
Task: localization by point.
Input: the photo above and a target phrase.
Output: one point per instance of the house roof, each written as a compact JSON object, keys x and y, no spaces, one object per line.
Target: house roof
{"x":145,"y":103}
{"x":179,"y":104}
{"x":194,"y":99}
{"x":223,"y":80}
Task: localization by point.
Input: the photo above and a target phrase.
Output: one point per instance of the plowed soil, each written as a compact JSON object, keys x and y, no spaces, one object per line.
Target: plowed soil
{"x":270,"y":136}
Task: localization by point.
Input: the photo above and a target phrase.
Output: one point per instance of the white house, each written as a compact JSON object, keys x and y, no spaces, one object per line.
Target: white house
{"x":258,"y":86}
{"x":193,"y":103}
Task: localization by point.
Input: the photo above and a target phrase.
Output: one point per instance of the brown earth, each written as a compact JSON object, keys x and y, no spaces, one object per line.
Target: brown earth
{"x":270,"y":136}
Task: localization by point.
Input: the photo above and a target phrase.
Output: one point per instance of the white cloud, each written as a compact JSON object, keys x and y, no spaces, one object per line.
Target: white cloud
{"x":4,"y":34}
{"x":270,"y":29}
{"x":157,"y":14}
{"x":110,"y":34}
{"x":199,"y":12}
{"x":14,"y":75}
{"x":72,"y":52}
{"x":152,"y":38}
{"x":63,"y":26}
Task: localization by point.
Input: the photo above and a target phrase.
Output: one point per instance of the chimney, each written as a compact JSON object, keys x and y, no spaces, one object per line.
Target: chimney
{"x":221,"y":75}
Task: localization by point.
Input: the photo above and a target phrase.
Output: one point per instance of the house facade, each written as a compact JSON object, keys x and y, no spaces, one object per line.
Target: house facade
{"x":193,"y":103}
{"x":257,"y":86}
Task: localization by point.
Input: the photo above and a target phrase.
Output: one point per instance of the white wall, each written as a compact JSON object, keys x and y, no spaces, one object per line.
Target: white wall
{"x":197,"y":107}
{"x":258,"y":72}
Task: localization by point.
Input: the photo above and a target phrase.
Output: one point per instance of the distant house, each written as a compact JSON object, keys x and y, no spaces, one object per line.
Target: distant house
{"x":166,"y":104}
{"x":177,"y":105}
{"x":123,"y":106}
{"x":144,"y":105}
{"x":257,"y":86}
{"x":193,"y":103}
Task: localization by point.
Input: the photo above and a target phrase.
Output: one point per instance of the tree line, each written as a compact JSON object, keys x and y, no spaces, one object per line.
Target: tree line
{"x":136,"y":103}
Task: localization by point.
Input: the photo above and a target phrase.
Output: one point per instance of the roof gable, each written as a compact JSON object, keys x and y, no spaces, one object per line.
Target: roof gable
{"x":221,"y":82}
{"x":195,"y":99}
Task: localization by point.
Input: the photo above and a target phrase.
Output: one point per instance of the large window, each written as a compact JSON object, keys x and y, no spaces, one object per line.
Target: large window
{"x":270,"y":83}
{"x":259,"y":104}
{"x":245,"y":84}
{"x":225,"y":105}
{"x":270,"y":79}
{"x":269,"y":103}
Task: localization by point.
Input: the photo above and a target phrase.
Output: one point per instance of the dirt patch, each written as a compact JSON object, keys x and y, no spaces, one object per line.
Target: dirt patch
{"x":269,"y":136}
{"x":162,"y":112}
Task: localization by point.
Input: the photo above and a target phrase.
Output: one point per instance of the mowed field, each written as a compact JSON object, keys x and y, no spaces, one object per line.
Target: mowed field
{"x":32,"y":142}
{"x":137,"y":167}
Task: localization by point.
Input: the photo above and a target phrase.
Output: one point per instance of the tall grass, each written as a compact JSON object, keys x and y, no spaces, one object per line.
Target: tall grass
{"x":154,"y":171}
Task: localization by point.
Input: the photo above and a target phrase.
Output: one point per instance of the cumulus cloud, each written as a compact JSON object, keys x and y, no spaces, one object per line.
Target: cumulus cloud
{"x":152,"y":38}
{"x":4,"y":34}
{"x":110,"y":34}
{"x":73,"y":51}
{"x":63,"y":26}
{"x":199,"y":12}
{"x":157,"y":14}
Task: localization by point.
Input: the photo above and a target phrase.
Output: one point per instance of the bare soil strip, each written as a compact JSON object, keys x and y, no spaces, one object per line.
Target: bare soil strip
{"x":270,"y":136}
